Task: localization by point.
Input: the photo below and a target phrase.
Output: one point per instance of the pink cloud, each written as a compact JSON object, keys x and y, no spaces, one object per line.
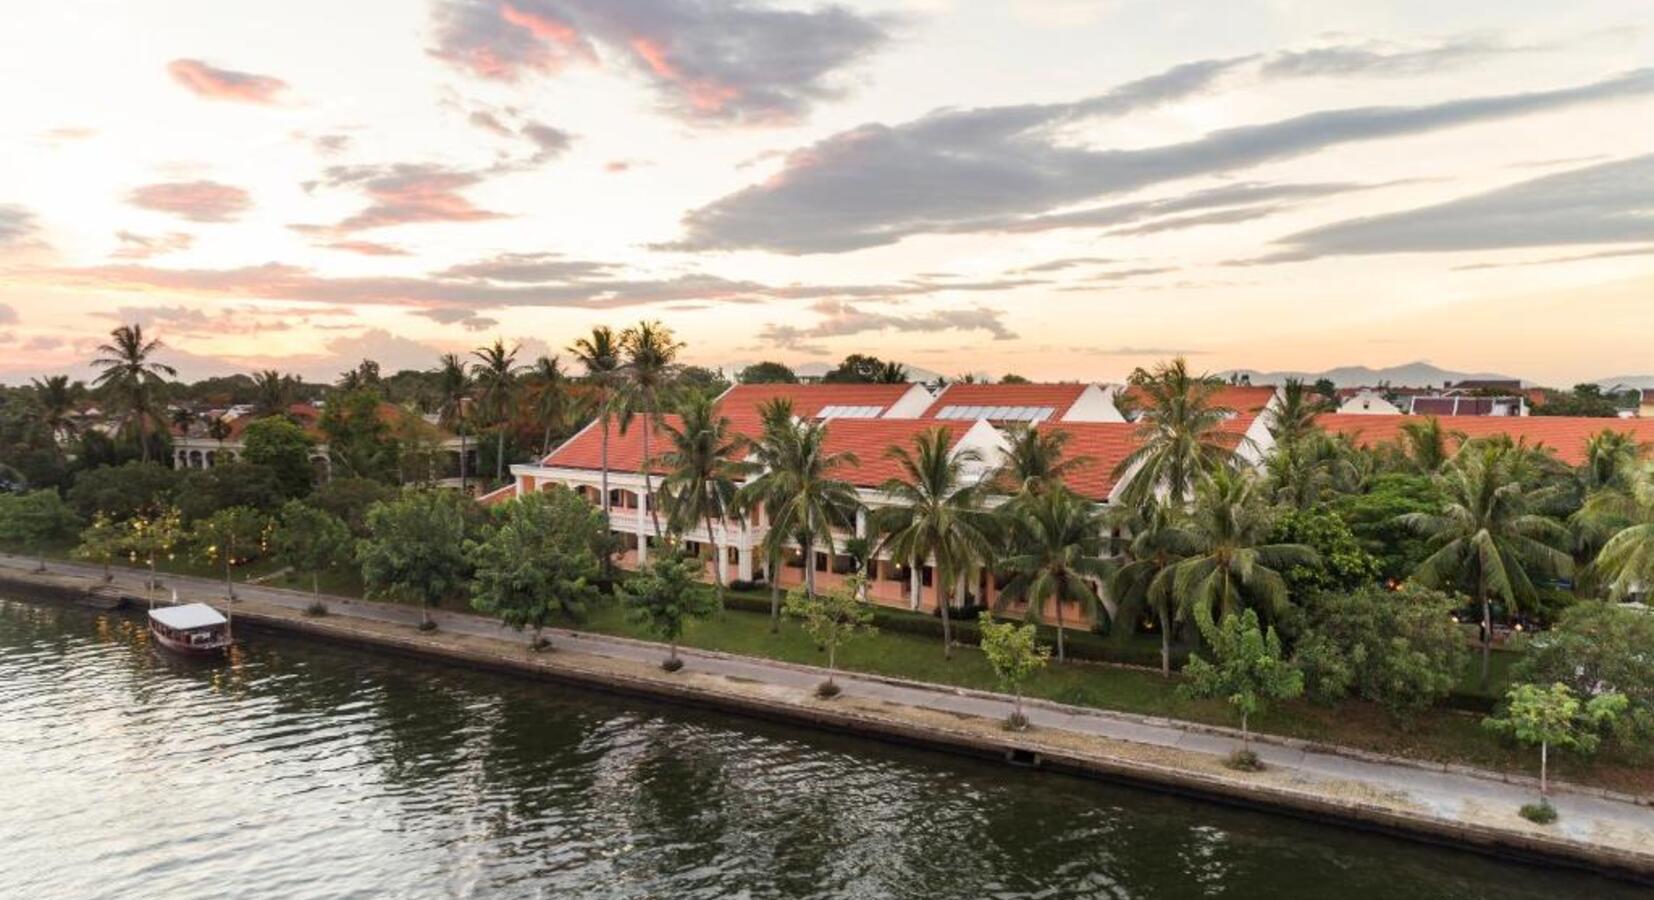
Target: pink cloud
{"x":197,"y":201}
{"x":225,"y":84}
{"x":366,"y":248}
{"x":144,"y":246}
{"x":404,"y":194}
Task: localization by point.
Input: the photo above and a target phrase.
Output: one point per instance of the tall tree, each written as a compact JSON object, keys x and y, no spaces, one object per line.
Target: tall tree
{"x":310,"y":540}
{"x":1156,"y":544}
{"x":649,"y":352}
{"x":415,"y":550}
{"x":454,"y":389}
{"x":1293,"y":417}
{"x":1230,"y":563}
{"x":1428,"y":444}
{"x":1626,"y":562}
{"x":1058,"y":555}
{"x":702,"y":463}
{"x":1487,"y":539}
{"x":799,"y":490}
{"x":54,"y":407}
{"x":1179,"y":434}
{"x":536,"y":560}
{"x":273,"y":392}
{"x":599,"y":353}
{"x":1037,"y":460}
{"x":133,"y":378}
{"x":936,"y":514}
{"x":496,"y":372}
{"x":552,"y":401}
{"x":229,"y":536}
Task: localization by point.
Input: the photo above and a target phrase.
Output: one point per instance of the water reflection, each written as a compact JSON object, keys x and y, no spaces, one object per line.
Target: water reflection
{"x":297,"y":770}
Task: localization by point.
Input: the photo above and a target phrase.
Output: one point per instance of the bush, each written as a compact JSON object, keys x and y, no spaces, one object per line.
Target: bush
{"x":316,"y":609}
{"x":1541,"y":813}
{"x":427,"y":625}
{"x":1342,"y":564}
{"x":123,"y":491}
{"x":1597,"y":647}
{"x":1399,"y":649}
{"x":1244,"y":761}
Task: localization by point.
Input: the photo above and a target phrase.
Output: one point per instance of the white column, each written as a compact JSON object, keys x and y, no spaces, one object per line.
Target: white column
{"x":861,"y":521}
{"x":743,"y":561}
{"x":915,"y":584}
{"x":642,"y":528}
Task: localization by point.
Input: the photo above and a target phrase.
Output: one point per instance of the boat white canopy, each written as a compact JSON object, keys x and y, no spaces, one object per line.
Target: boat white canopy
{"x":187,"y":617}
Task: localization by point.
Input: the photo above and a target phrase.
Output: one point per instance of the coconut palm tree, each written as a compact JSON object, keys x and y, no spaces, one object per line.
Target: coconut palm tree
{"x":552,"y":401}
{"x":647,"y":373}
{"x":703,"y":463}
{"x":54,"y":407}
{"x":1036,"y":460}
{"x":1626,"y":562}
{"x":1303,"y":472}
{"x":1488,"y":541}
{"x":1229,"y":565}
{"x":1179,"y":434}
{"x":133,"y":378}
{"x":454,"y":386}
{"x":272,"y":392}
{"x":891,"y":372}
{"x":495,"y":373}
{"x":798,"y":492}
{"x":1058,"y":541}
{"x":1293,"y":417}
{"x":599,"y":353}
{"x":1428,"y":445}
{"x":936,"y":514}
{"x":1156,"y":544}
{"x":1612,"y":460}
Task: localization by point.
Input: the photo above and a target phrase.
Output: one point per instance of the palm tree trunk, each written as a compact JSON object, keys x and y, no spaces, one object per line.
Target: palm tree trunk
{"x":462,"y":452}
{"x":810,"y":565}
{"x":1165,"y":644}
{"x":773,"y":575}
{"x":499,"y":455}
{"x":603,"y":463}
{"x":717,"y":555}
{"x":1487,"y":635}
{"x":1060,"y":656}
{"x":649,"y":481}
{"x":942,"y":604}
{"x":1246,"y":735}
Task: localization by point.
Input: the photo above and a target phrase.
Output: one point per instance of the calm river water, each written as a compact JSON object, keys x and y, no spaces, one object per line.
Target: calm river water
{"x":299,"y":771}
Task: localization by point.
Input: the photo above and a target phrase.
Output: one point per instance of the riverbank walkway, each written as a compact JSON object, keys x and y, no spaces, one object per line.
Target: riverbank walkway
{"x":1445,"y":803}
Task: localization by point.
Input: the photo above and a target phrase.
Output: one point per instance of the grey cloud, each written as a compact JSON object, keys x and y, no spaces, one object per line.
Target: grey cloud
{"x":1377,"y":58}
{"x":467,"y":318}
{"x":529,"y":268}
{"x":843,"y":319}
{"x":1606,"y":203}
{"x":16,"y":224}
{"x":8,"y":316}
{"x":1068,"y":262}
{"x":956,"y":170}
{"x":735,"y":61}
{"x":1550,"y":260}
{"x":552,"y":142}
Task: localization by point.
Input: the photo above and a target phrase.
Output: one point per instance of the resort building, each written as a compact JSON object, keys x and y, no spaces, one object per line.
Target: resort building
{"x":1565,"y":436}
{"x":867,"y":420}
{"x":1366,"y":402}
{"x":219,"y":436}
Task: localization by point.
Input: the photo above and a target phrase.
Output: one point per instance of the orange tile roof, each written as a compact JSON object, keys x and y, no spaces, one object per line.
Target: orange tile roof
{"x":871,"y":439}
{"x":1057,"y":396}
{"x":808,"y":399}
{"x":1243,"y":399}
{"x":1566,"y":435}
{"x":585,"y":450}
{"x":1105,"y":444}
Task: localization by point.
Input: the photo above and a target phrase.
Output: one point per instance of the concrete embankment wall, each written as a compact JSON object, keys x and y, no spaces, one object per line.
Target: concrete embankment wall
{"x":1034,"y":749}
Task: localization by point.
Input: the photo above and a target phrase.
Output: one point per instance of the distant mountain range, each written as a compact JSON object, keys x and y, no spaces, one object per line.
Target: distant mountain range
{"x":1420,"y":374}
{"x":1414,"y":374}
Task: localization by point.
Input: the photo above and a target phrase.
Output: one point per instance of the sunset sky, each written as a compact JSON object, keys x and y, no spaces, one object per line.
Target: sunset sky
{"x":1058,"y":188}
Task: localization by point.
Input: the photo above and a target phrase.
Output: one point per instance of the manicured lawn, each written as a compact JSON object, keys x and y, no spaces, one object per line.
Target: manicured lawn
{"x":1439,"y":735}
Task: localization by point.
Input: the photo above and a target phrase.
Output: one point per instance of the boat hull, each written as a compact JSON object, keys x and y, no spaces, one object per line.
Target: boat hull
{"x":185,"y":648}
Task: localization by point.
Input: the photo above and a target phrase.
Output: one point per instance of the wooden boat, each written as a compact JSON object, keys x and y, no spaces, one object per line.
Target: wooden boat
{"x":194,"y":629}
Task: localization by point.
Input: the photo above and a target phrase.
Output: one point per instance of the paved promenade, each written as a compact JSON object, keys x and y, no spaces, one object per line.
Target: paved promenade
{"x":1449,"y":795}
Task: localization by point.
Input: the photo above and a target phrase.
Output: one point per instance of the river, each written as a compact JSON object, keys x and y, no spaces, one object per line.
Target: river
{"x":297,"y":770}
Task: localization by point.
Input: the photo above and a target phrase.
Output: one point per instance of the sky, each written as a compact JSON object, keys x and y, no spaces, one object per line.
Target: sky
{"x":1061,"y":189}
